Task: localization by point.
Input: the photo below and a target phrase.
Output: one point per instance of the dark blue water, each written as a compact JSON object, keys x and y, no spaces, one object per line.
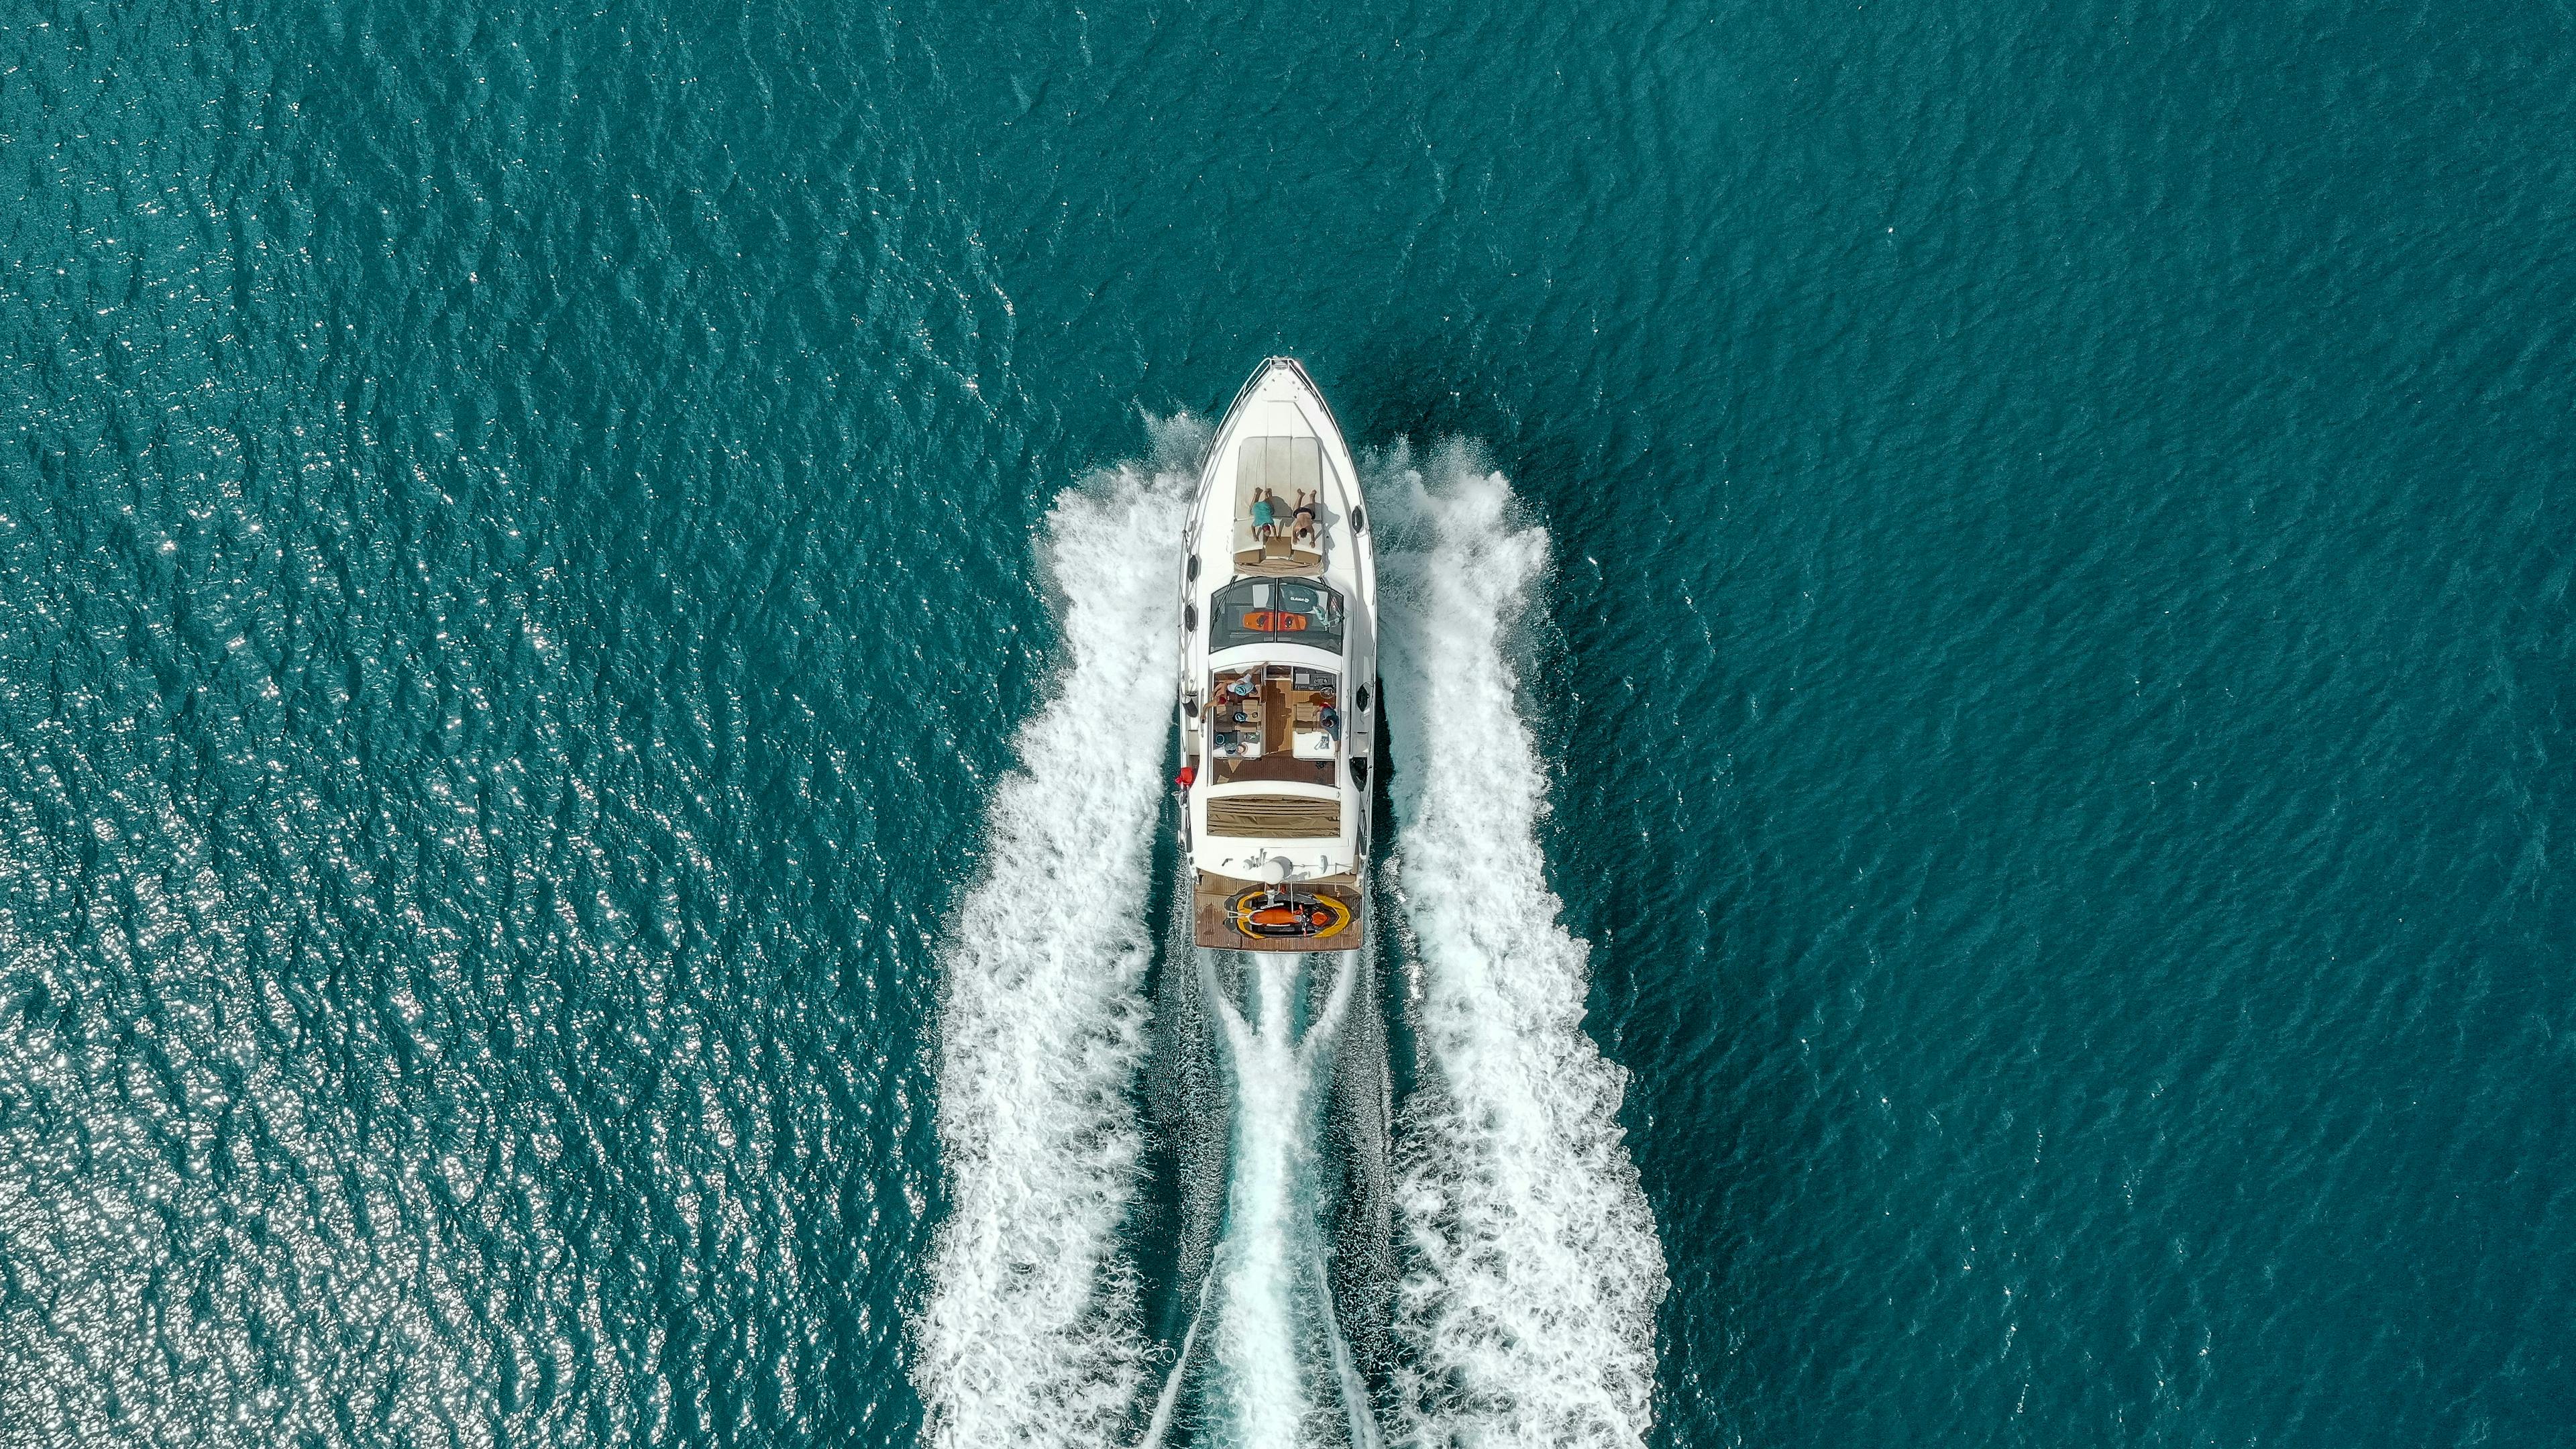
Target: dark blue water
{"x":520,"y":580}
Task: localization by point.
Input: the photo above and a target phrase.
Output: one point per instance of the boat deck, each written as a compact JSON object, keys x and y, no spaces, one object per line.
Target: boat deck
{"x":1281,"y":735}
{"x":1297,"y":563}
{"x":1213,"y":899}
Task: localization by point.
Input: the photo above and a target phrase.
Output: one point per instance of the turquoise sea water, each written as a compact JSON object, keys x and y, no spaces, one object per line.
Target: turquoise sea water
{"x":520,"y":582}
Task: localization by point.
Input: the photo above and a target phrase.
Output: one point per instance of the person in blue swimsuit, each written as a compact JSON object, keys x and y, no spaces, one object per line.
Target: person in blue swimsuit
{"x":1263,"y":515}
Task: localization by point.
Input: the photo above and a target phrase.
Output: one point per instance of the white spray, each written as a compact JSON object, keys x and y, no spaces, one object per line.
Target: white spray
{"x":1257,"y":1348}
{"x":1532,"y":1269}
{"x":1277,"y":1342}
{"x":1030,"y":1336}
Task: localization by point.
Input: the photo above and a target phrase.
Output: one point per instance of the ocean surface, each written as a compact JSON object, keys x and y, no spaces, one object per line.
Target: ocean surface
{"x":1981,"y":691}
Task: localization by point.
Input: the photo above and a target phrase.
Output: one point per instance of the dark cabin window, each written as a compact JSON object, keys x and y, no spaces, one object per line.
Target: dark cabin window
{"x":1285,"y":611}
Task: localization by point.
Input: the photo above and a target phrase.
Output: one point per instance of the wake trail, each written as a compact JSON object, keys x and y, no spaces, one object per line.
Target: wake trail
{"x":1527,"y":1302}
{"x":1031,"y":1333}
{"x":1277,"y":1341}
{"x":1257,"y":1336}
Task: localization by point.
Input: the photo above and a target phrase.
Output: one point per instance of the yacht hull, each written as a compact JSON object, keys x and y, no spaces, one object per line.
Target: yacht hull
{"x":1279,"y":677}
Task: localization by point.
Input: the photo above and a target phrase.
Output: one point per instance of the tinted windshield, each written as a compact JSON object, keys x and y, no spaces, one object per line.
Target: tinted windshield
{"x":1255,"y":611}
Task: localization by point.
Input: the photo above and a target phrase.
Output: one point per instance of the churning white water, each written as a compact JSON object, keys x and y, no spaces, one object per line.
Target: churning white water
{"x":1532,"y":1271}
{"x":1283,"y":1377}
{"x":1030,"y":1336}
{"x":1263,"y":1250}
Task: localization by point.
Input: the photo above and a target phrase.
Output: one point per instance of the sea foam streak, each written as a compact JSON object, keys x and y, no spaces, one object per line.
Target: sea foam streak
{"x":1527,"y":1301}
{"x":1030,"y":1335}
{"x":1257,"y":1343}
{"x":1276,"y":1310}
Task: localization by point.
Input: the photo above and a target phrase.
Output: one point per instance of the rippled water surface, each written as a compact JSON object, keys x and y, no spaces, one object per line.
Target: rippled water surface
{"x":525,"y":576}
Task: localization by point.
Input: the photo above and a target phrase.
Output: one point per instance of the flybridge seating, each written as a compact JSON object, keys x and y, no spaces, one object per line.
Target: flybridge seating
{"x":1274,"y":722}
{"x":1278,"y":506}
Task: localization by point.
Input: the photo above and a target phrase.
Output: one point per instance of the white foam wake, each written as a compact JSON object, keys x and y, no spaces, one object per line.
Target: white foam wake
{"x":1275,"y":1312}
{"x":1263,"y":1251}
{"x":1030,"y":1336}
{"x":1532,"y":1269}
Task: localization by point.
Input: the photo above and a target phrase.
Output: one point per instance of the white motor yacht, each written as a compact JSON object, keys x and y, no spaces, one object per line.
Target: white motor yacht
{"x":1278,"y":677}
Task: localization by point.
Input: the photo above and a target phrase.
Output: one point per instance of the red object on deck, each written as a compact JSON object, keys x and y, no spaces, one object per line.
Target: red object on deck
{"x":1189,"y":776}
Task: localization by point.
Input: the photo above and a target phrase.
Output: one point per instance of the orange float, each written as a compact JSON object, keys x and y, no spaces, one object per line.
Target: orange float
{"x":1268,"y":915}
